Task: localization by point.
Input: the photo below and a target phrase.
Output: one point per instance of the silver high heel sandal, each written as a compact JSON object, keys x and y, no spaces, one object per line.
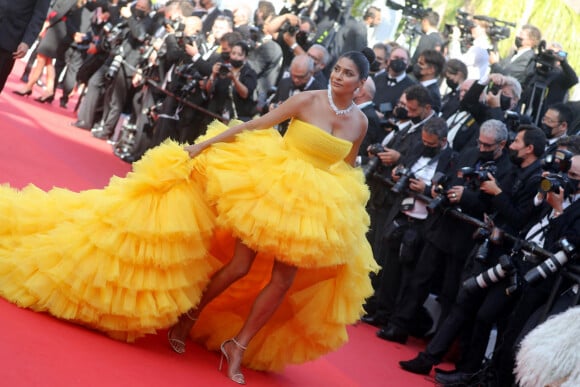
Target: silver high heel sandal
{"x":237,"y":377}
{"x":176,"y":344}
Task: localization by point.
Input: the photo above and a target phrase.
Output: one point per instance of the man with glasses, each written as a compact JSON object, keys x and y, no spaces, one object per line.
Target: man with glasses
{"x":555,"y":124}
{"x":320,"y":55}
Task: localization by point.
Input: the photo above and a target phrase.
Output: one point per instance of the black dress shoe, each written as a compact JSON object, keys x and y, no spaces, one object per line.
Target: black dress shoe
{"x":373,"y":320}
{"x":80,"y":124}
{"x":101,"y":133}
{"x":63,"y":103}
{"x":456,"y":378}
{"x":393,"y":333}
{"x":420,"y":365}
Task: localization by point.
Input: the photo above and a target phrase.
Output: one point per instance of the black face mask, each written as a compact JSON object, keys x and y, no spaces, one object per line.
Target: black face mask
{"x":236,"y":63}
{"x":400,"y":113}
{"x":299,"y":88}
{"x":430,"y":151}
{"x":505,"y":102}
{"x":517,"y":160}
{"x":518,"y":42}
{"x":451,"y":84}
{"x":139,"y":13}
{"x":417,"y":71}
{"x":486,"y":155}
{"x":397,"y":65}
{"x":225,"y":56}
{"x":547,"y":130}
{"x":416,"y":120}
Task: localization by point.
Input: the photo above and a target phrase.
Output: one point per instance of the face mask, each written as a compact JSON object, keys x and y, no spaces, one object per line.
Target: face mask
{"x":505,"y":102}
{"x":518,"y":42}
{"x":548,"y":131}
{"x":236,"y":63}
{"x":517,"y":160}
{"x":397,"y":65}
{"x":299,"y":88}
{"x":225,"y":56}
{"x":451,"y":83}
{"x":139,"y":13}
{"x":400,"y":113}
{"x":486,"y":155}
{"x":417,"y":71}
{"x":430,"y":151}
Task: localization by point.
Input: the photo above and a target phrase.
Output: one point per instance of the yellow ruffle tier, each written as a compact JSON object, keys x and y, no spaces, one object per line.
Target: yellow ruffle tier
{"x":128,"y":259}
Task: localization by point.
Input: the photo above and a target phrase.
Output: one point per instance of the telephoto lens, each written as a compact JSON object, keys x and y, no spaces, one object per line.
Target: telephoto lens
{"x":552,"y":264}
{"x":493,"y":275}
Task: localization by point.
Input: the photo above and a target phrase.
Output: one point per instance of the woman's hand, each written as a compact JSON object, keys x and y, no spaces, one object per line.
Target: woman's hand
{"x":194,"y":149}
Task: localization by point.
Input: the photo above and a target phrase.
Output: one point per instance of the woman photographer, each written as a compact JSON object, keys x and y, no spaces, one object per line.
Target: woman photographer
{"x":232,"y":82}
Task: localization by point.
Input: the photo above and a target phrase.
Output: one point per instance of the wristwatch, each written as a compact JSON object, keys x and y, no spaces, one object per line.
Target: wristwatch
{"x":293,"y":46}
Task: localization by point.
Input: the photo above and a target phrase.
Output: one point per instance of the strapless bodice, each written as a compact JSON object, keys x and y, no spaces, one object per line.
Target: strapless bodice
{"x":315,"y":145}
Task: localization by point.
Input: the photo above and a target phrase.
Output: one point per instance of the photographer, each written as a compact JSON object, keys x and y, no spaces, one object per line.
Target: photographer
{"x":121,"y":70}
{"x":449,"y":240}
{"x":403,"y":234}
{"x":561,"y":219}
{"x":512,"y":201}
{"x":549,"y":82}
{"x":476,"y":58}
{"x":427,"y":71}
{"x":491,"y":97}
{"x":520,"y":63}
{"x":232,"y":82}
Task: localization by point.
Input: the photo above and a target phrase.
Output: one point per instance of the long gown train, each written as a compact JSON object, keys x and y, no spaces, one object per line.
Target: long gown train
{"x":130,"y":258}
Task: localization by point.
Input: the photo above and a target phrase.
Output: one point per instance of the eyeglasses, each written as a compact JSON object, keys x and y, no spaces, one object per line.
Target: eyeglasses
{"x":550,"y":121}
{"x":486,"y":145}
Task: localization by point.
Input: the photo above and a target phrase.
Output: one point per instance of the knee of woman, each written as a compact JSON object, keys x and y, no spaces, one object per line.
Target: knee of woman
{"x":240,"y":270}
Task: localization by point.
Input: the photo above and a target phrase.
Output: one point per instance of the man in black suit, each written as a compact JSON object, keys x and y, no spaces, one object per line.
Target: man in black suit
{"x":520,"y":64}
{"x":427,"y":71}
{"x":211,"y":13}
{"x":392,"y":83}
{"x":20,"y":24}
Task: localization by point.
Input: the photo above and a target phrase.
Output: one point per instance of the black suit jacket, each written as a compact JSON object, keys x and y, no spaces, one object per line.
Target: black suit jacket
{"x":285,"y":87}
{"x":389,"y":94}
{"x":375,"y":132}
{"x":21,"y":21}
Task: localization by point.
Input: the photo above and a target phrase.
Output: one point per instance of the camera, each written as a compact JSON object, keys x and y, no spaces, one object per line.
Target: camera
{"x":114,"y":67}
{"x":553,"y":182}
{"x":558,"y":161}
{"x":493,"y":88}
{"x":493,"y":275}
{"x":374,"y":162}
{"x":545,"y":60}
{"x":474,"y":177}
{"x":224,"y":70}
{"x":498,"y":29}
{"x":439,"y":184}
{"x":113,"y":36}
{"x":553,"y":263}
{"x":188,"y":79}
{"x":404,"y":175}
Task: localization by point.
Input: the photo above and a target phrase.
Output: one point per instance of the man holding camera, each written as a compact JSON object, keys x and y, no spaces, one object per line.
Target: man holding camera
{"x":449,"y":240}
{"x":555,"y":124}
{"x":560,"y":219}
{"x":402,"y":237}
{"x":510,"y":204}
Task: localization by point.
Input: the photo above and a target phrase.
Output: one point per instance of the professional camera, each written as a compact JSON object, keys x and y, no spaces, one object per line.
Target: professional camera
{"x":439,"y":184}
{"x":493,"y":275}
{"x":546,"y":60}
{"x":412,"y":8}
{"x":113,"y":36}
{"x":558,"y":161}
{"x":404,"y":175}
{"x":474,"y":177}
{"x":188,"y":79}
{"x":374,"y":162}
{"x":553,"y":182}
{"x":183,"y":40}
{"x":224,"y":70}
{"x":465,"y":24}
{"x":114,"y":67}
{"x":498,"y":29}
{"x":553,"y":263}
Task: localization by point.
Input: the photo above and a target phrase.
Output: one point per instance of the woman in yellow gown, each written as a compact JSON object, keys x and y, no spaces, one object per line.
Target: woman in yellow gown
{"x":156,"y":246}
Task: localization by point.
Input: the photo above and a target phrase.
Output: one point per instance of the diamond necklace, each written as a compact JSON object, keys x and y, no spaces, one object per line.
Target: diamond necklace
{"x":336,"y":110}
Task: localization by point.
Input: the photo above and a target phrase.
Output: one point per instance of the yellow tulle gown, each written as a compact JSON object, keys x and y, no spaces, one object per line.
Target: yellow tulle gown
{"x":130,"y":258}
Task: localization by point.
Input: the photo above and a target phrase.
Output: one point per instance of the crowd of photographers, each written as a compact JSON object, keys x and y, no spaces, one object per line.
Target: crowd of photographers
{"x":473,"y":162}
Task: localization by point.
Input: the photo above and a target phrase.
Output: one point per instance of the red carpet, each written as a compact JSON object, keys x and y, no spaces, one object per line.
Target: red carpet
{"x":39,"y":146}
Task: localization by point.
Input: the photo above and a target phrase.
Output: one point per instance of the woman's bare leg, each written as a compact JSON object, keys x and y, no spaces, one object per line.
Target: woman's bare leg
{"x":235,"y":269}
{"x":36,"y":72}
{"x":50,"y":79}
{"x":264,"y":307}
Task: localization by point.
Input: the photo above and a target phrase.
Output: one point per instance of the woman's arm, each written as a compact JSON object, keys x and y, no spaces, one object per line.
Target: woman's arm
{"x":290,"y":108}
